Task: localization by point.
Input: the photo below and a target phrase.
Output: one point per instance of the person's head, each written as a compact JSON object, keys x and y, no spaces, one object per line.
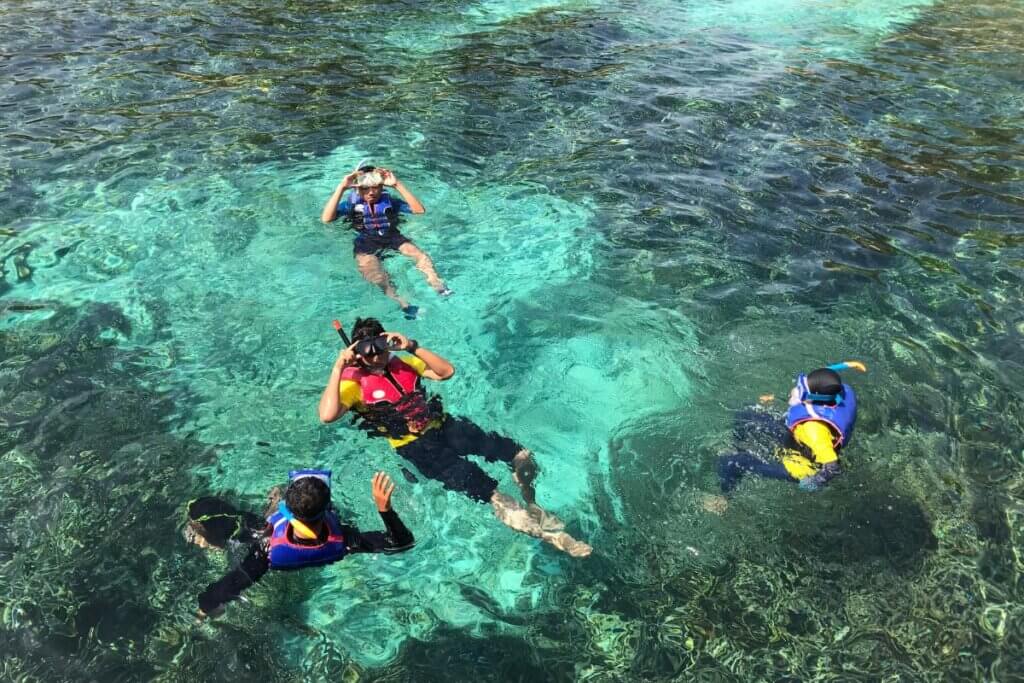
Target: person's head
{"x":825,"y":382}
{"x":370,"y":186}
{"x":308,"y":498}
{"x":371,"y":349}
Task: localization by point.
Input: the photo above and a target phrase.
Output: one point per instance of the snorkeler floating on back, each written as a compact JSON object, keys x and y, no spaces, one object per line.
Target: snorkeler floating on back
{"x":375,"y":216}
{"x":386,"y":390}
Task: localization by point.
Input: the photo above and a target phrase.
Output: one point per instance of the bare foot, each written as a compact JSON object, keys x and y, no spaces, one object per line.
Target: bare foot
{"x":548,"y":521}
{"x":513,"y":515}
{"x":716,"y":505}
{"x":568,"y":544}
{"x":516,"y":517}
{"x":524,"y":468}
{"x":192,"y":535}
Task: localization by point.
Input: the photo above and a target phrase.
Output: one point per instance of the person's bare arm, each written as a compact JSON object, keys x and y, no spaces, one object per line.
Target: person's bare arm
{"x":331,"y":407}
{"x":390,"y":180}
{"x":330,"y":211}
{"x":438,"y":368}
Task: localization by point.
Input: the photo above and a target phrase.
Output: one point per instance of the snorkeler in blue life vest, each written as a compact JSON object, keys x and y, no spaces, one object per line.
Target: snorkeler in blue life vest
{"x":375,"y":216}
{"x":819,"y":423}
{"x":300,"y":530}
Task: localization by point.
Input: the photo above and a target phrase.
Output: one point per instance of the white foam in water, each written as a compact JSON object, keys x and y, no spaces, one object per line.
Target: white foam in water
{"x":837,"y":28}
{"x":437,"y":30}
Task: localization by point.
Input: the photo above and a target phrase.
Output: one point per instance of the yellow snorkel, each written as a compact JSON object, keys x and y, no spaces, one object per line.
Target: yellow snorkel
{"x":848,"y":364}
{"x":300,"y":527}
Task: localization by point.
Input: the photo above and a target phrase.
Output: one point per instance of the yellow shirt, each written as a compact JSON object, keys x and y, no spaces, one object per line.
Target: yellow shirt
{"x":351,"y":396}
{"x":816,"y":436}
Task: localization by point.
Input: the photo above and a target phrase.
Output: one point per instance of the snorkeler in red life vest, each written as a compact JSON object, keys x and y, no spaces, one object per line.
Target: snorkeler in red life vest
{"x":819,"y":423}
{"x":302,"y":530}
{"x":375,"y":216}
{"x":386,"y":391}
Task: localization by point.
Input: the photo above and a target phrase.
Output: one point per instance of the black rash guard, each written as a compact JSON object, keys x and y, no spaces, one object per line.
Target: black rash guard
{"x":397,"y":538}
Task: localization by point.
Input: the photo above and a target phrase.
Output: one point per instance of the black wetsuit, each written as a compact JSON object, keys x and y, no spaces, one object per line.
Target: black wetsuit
{"x":440,"y":454}
{"x":218,"y":522}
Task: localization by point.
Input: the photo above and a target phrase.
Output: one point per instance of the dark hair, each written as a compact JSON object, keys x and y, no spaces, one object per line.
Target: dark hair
{"x":825,"y":381}
{"x":307,"y":498}
{"x":366,"y":328}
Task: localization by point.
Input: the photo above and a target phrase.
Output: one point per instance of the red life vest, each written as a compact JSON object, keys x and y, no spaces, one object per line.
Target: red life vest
{"x":394,"y":402}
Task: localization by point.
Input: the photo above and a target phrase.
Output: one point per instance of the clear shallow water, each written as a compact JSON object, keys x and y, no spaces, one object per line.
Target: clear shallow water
{"x":660,"y":210}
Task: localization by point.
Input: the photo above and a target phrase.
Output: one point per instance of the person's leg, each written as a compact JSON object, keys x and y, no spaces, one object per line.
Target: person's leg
{"x":464,"y":437}
{"x":213,"y":522}
{"x":731,"y":469}
{"x":437,"y":459}
{"x":756,"y":428}
{"x":423,"y":264}
{"x":373,"y":272}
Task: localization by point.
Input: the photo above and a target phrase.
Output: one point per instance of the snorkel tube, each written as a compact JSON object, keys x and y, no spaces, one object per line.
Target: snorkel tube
{"x":848,"y":364}
{"x":341,"y":332}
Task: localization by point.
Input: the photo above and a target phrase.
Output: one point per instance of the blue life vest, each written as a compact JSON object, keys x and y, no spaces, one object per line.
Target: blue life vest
{"x":286,"y":554}
{"x":840,"y":416}
{"x":377,"y":221}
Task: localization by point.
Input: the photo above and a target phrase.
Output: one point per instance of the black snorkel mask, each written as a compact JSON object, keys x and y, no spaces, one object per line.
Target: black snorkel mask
{"x":374,"y":346}
{"x":368,"y":347}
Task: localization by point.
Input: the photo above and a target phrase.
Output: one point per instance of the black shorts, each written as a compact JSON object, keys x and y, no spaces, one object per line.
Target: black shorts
{"x":376,"y":245}
{"x":441,"y":452}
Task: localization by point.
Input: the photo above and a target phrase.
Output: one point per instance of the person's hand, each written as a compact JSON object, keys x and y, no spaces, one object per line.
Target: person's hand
{"x":349,"y":180}
{"x":819,"y":479}
{"x":397,"y":341}
{"x":383,"y":487}
{"x":346,"y":357}
{"x":389,"y":178}
{"x":809,"y":484}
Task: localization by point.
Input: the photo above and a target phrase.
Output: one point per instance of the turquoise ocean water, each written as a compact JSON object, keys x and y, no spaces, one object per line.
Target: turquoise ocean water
{"x":651,"y":214}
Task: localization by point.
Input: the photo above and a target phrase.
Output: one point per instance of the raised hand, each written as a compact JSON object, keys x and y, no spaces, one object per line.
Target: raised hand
{"x":349,"y":180}
{"x":397,"y":341}
{"x":346,"y":357}
{"x":383,"y":487}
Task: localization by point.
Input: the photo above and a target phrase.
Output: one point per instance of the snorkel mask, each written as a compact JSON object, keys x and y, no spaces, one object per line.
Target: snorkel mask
{"x":367,"y":171}
{"x":374,"y":346}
